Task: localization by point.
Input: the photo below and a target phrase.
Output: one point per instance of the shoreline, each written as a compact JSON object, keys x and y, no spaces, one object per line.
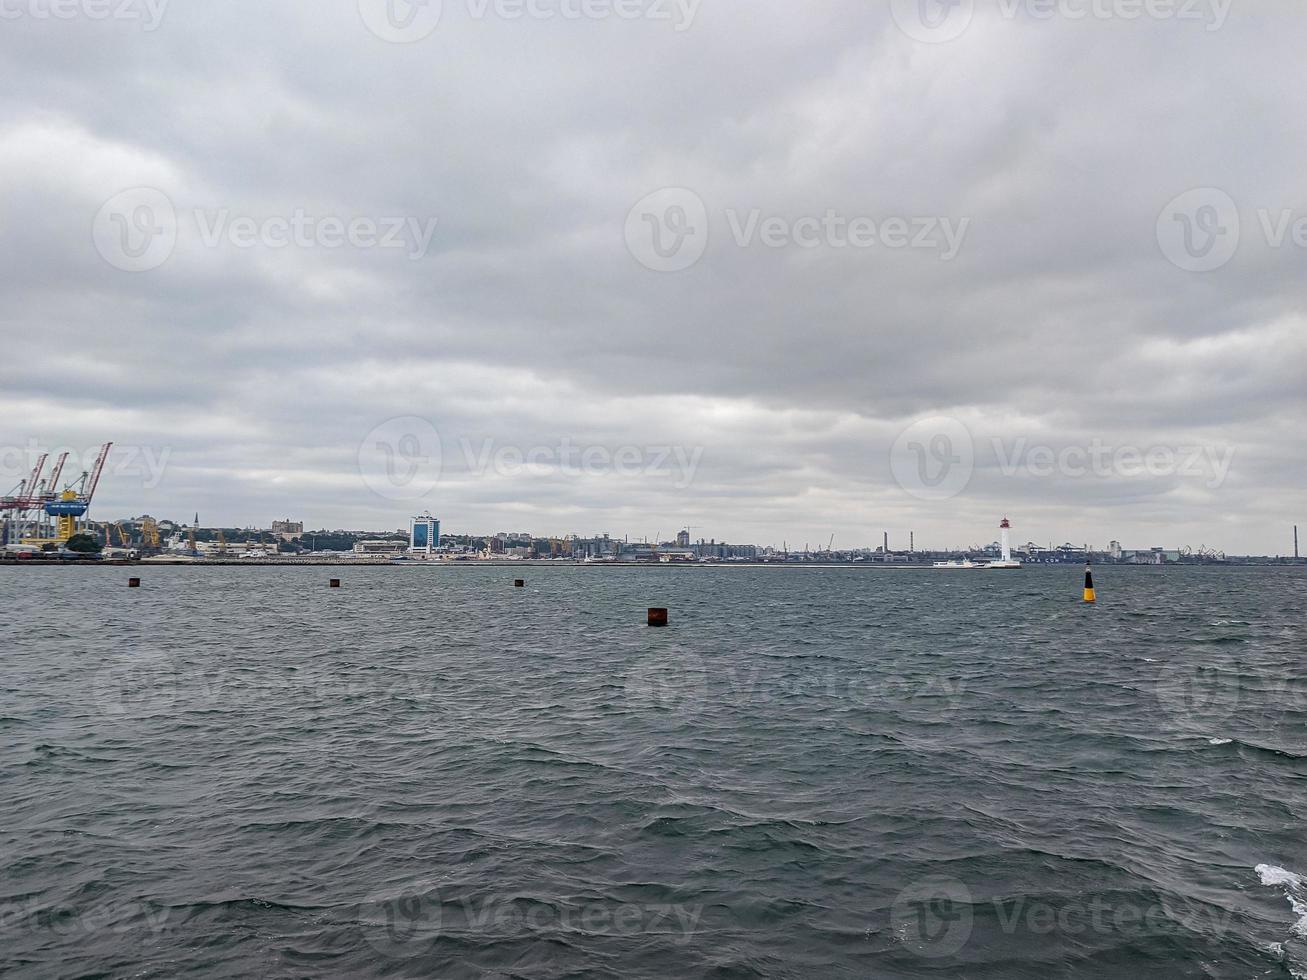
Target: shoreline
{"x":549,"y":563}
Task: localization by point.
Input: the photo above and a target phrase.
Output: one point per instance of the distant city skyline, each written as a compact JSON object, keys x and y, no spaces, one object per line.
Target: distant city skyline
{"x":910,"y":541}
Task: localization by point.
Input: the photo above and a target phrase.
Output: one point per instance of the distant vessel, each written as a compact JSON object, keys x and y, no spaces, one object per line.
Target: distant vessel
{"x":961,"y":563}
{"x":1004,"y":562}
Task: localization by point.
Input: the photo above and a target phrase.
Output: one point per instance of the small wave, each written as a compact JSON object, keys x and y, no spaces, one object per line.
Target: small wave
{"x":1281,"y":955}
{"x":1270,"y":750}
{"x":1219,"y":741}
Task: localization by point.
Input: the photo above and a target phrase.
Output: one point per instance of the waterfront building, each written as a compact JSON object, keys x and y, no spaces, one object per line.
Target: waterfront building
{"x":288,"y":529}
{"x":424,"y":535}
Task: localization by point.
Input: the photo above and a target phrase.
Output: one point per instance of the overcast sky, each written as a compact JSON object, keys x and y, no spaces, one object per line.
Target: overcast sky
{"x":774,"y":271}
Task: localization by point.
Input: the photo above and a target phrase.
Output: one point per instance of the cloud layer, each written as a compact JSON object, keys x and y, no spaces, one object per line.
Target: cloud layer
{"x":883,"y":233}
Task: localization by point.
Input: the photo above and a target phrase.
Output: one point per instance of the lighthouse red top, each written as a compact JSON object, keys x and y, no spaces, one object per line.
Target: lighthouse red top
{"x":1005,"y":523}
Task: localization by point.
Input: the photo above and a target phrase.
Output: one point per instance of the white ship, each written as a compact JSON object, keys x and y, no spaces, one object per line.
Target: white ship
{"x":1005,"y":561}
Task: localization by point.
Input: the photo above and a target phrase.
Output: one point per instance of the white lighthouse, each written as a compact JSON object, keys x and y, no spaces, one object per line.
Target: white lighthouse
{"x":1005,"y":542}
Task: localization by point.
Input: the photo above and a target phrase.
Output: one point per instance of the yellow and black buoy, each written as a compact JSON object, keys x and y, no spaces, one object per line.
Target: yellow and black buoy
{"x":1090,"y":595}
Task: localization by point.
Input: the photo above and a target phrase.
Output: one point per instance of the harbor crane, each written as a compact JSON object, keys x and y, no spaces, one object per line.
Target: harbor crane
{"x":22,"y":507}
{"x":30,"y":506}
{"x":73,"y":504}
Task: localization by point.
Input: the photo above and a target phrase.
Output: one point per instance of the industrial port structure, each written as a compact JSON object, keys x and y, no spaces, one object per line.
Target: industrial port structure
{"x":37,"y":513}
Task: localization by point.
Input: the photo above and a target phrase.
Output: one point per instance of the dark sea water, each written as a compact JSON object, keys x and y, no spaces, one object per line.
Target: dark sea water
{"x":812,"y":773}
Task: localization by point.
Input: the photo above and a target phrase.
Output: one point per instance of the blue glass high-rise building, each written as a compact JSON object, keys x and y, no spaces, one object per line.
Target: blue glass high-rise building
{"x":424,"y":534}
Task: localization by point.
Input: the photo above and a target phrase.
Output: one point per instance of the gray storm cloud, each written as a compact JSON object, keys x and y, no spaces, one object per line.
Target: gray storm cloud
{"x":903,"y":274}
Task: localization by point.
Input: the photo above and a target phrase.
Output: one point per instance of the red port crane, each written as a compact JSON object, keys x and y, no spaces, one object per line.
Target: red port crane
{"x":25,"y":496}
{"x":52,"y":487}
{"x":96,"y":470}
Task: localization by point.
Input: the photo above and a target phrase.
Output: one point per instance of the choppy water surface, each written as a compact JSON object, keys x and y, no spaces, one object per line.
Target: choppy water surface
{"x":812,"y":773}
